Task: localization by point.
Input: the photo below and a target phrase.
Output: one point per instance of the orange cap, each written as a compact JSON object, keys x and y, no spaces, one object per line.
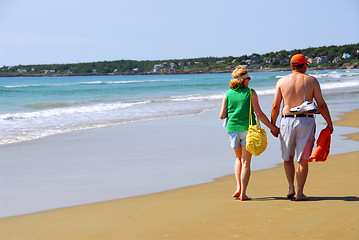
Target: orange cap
{"x":298,"y":59}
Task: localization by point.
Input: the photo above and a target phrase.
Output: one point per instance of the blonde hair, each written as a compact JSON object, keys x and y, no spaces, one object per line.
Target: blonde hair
{"x":238,"y":72}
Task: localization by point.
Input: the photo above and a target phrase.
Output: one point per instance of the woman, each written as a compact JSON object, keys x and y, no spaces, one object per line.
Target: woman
{"x":235,"y":107}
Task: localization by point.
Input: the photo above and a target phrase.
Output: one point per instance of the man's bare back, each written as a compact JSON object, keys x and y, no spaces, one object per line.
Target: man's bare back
{"x":296,"y":88}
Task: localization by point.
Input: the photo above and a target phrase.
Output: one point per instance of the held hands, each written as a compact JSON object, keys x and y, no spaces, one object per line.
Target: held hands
{"x":275,"y":131}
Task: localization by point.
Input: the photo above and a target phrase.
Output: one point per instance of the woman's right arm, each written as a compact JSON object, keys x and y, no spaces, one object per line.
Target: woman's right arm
{"x":262,"y":117}
{"x":223,"y":113}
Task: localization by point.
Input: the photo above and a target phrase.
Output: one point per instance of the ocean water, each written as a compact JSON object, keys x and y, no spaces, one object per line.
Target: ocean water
{"x":36,"y":107}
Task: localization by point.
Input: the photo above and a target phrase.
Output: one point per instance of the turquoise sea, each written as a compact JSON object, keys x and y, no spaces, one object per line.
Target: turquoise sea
{"x":36,"y":107}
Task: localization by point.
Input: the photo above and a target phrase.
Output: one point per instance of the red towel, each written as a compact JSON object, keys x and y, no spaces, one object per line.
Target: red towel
{"x":321,"y":153}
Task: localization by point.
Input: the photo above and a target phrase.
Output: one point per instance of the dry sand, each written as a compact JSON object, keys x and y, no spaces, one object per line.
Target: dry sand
{"x":208,"y":211}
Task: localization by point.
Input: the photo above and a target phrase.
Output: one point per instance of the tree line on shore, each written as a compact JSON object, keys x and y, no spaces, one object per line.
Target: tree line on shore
{"x":343,"y":56}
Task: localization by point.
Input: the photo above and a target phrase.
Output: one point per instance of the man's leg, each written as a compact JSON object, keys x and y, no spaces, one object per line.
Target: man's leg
{"x":290,"y":172}
{"x":302,"y":168}
{"x":302,"y":173}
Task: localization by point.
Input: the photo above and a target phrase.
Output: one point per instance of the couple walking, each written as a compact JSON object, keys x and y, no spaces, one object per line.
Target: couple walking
{"x":296,"y":132}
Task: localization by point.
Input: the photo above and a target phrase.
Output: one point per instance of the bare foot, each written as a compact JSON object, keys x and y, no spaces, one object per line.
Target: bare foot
{"x":301,"y":197}
{"x":245,"y":198}
{"x":291,"y":194}
{"x":237,"y":193}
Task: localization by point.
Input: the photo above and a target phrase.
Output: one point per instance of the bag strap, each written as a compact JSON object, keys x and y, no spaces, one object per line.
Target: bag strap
{"x":250,"y":111}
{"x":250,"y":107}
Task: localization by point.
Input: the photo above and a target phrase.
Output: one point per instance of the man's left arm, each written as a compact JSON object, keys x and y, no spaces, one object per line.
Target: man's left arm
{"x":322,"y":105}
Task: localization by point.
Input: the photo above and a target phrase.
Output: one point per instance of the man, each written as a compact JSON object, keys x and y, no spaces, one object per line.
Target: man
{"x":297,"y":129}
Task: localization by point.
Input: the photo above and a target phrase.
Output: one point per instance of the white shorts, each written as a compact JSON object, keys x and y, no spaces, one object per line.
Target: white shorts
{"x":297,"y":135}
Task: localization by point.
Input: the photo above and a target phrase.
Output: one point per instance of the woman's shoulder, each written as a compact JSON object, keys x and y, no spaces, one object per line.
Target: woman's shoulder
{"x":248,"y":89}
{"x":240,"y":90}
{"x":229,"y":91}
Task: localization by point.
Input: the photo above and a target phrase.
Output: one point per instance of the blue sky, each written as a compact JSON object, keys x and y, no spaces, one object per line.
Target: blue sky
{"x":71,"y":31}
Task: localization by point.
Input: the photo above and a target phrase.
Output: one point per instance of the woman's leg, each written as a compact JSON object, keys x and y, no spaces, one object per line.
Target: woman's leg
{"x":237,"y":170}
{"x":245,"y":172}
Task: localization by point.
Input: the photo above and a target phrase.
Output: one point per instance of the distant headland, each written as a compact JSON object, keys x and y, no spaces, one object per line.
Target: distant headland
{"x":331,"y":57}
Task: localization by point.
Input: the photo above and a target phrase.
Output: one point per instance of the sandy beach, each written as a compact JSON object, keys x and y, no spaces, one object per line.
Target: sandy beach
{"x":207,"y":211}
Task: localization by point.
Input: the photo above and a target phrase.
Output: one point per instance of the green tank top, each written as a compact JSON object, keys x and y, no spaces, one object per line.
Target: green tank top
{"x":237,"y":101}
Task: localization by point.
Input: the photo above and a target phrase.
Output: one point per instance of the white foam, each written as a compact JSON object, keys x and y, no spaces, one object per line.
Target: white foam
{"x":197,"y":97}
{"x":269,"y":91}
{"x":96,"y":83}
{"x":41,"y":133}
{"x":339,"y":85}
{"x":22,"y":86}
{"x":69,"y":111}
{"x":90,"y":83}
{"x":334,"y":75}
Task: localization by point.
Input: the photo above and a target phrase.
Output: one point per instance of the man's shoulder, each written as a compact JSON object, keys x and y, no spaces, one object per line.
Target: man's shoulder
{"x":311,"y":79}
{"x":309,"y":76}
{"x":283,"y":79}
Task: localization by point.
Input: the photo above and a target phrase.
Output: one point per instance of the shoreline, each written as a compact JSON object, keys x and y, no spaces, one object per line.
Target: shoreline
{"x":207,"y":211}
{"x":285,"y":69}
{"x":349,"y":119}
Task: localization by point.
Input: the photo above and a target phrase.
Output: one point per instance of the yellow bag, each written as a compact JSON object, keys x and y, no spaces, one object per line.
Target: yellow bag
{"x":256,"y":140}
